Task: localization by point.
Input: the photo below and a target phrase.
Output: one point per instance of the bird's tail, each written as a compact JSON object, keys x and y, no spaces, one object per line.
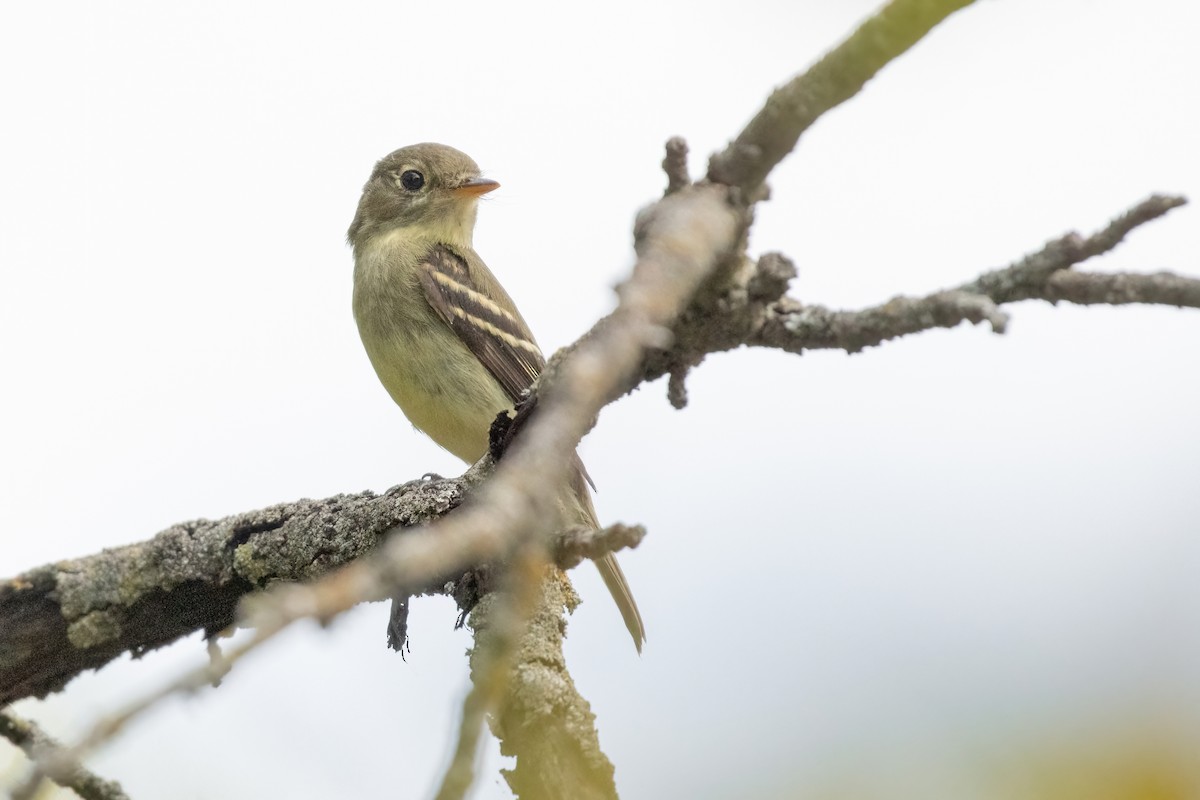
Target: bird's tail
{"x":618,"y":587}
{"x":610,"y":570}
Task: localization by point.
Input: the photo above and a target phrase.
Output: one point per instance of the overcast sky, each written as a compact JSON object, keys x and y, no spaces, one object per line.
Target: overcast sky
{"x":908,"y":572}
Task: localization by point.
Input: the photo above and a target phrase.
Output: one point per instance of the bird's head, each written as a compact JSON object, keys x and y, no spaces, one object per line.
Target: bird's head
{"x":428,"y":188}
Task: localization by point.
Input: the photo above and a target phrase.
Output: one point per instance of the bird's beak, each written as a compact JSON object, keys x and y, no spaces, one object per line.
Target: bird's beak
{"x":474,"y":187}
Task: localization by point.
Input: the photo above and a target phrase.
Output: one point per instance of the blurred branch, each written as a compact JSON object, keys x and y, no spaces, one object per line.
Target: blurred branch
{"x":37,"y":744}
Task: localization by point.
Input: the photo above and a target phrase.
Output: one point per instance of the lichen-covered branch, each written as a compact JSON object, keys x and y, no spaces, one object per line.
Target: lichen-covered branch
{"x":63,"y":618}
{"x":795,"y":327}
{"x":501,"y":623}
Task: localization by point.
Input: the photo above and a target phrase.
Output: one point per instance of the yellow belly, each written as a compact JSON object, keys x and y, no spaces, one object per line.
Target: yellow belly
{"x":442,"y":389}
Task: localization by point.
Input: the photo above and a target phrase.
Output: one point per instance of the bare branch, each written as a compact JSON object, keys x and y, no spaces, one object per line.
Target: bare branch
{"x":833,"y":80}
{"x":1115,"y":289}
{"x":800,"y":328}
{"x":1027,"y":279}
{"x":1043,"y":275}
{"x":37,"y":744}
{"x":753,"y":311}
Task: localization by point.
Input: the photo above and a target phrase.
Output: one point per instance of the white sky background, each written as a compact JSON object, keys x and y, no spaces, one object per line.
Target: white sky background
{"x":900,"y":572}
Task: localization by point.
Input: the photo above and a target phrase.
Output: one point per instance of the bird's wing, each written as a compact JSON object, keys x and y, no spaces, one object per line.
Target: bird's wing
{"x":496,"y":335}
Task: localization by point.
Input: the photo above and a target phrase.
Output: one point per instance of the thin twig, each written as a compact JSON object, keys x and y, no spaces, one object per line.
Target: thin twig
{"x":1046,"y":274}
{"x":796,"y":328}
{"x":576,"y":544}
{"x":755,"y":311}
{"x":1027,"y":279}
{"x":60,"y":764}
{"x":39,"y":745}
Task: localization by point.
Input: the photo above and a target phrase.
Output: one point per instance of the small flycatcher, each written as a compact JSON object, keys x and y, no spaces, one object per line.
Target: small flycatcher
{"x":444,"y":337}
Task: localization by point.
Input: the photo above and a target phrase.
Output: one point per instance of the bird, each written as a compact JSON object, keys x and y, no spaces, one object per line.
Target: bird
{"x":446,"y":340}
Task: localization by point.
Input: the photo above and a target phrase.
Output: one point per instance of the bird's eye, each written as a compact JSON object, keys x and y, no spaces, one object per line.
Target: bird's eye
{"x":412,"y":180}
